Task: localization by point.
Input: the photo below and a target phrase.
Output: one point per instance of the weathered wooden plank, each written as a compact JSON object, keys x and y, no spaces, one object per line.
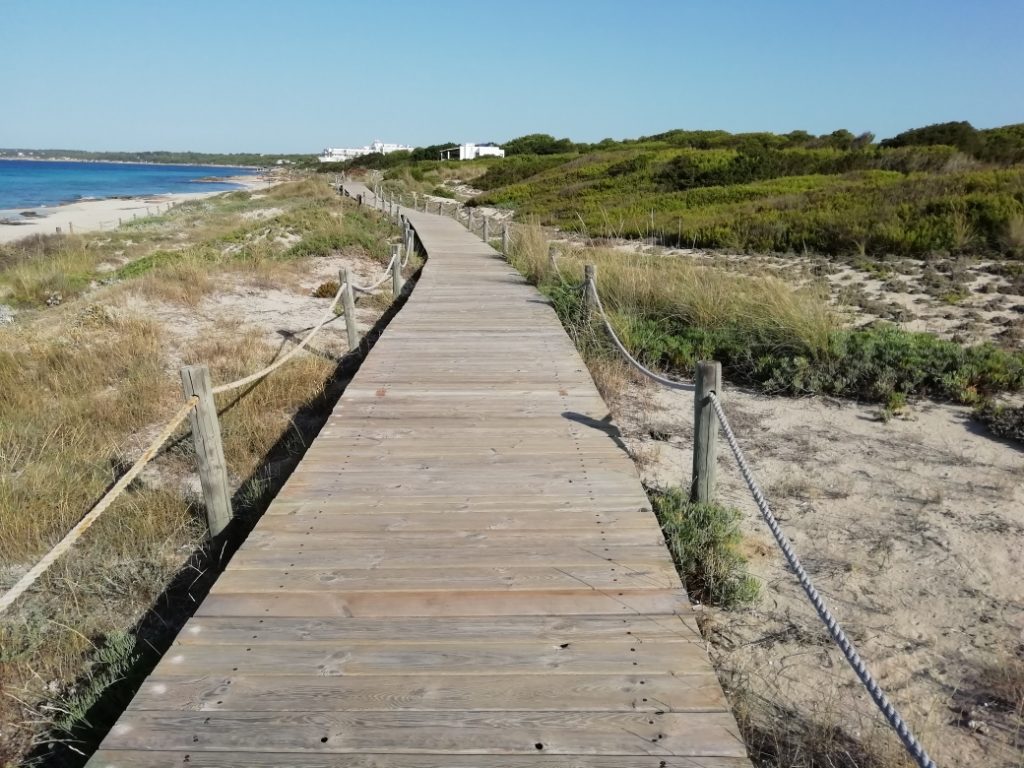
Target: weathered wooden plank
{"x":572,"y":733}
{"x":311,"y":657}
{"x":468,"y":630}
{"x":434,"y":693}
{"x":121,"y":758}
{"x":381,"y":556}
{"x":513,"y":578}
{"x":450,"y":603}
{"x":342,"y":519}
{"x":590,"y":537}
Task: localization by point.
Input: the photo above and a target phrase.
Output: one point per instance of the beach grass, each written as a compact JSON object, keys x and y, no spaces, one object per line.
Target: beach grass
{"x":85,"y":383}
{"x":779,"y":337}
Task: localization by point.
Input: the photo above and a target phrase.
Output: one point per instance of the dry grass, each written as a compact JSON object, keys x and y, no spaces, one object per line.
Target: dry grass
{"x":777,"y":736}
{"x":1015,"y":234}
{"x":66,"y":403}
{"x":611,"y":375}
{"x":41,"y":270}
{"x":707,"y":297}
{"x":84,"y":385}
{"x":255,"y":418}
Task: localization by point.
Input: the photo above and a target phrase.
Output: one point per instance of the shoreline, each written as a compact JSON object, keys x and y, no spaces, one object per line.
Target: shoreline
{"x":123,"y":162}
{"x":109,"y":213}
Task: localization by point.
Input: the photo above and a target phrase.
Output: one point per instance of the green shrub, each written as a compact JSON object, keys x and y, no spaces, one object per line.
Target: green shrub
{"x":869,"y":364}
{"x":705,"y":542}
{"x":1002,"y":420}
{"x":779,"y":345}
{"x":326,"y":290}
{"x":517,"y":168}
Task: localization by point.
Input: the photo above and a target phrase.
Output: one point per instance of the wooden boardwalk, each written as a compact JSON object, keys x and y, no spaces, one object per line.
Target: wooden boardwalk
{"x":463,"y":572}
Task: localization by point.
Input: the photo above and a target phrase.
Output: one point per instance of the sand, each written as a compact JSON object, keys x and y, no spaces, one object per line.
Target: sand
{"x":95,"y":215}
{"x":911,"y":529}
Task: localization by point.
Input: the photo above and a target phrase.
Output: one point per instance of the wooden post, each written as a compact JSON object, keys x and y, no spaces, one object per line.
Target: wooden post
{"x":487,"y":226}
{"x":71,"y":227}
{"x":58,"y":230}
{"x":440,"y":208}
{"x":213,"y":473}
{"x":504,"y":239}
{"x":396,"y":270}
{"x":119,"y":221}
{"x":469,"y":219}
{"x":348,"y":304}
{"x":705,"y":432}
{"x":589,"y":276}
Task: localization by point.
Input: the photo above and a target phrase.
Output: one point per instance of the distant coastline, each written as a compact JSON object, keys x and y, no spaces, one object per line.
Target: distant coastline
{"x":123,"y":162}
{"x":90,"y":215}
{"x":46,"y":184}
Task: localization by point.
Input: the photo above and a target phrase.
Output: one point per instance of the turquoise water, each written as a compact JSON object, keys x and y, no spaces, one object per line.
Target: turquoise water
{"x":31,"y":184}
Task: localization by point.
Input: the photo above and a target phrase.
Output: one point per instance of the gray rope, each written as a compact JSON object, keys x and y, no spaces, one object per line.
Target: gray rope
{"x":849,"y":651}
{"x":670,"y":383}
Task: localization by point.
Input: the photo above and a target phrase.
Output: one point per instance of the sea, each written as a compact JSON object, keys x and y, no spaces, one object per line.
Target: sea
{"x":33,"y":184}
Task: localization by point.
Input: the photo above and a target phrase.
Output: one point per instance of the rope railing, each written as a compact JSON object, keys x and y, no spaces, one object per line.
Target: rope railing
{"x":891,"y":714}
{"x":26,"y":581}
{"x":328,"y":316}
{"x":835,"y":630}
{"x":591,"y":287}
{"x":379,"y":283}
{"x":206,"y":433}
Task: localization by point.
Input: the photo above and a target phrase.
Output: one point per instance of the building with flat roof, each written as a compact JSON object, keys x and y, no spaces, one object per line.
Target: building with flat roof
{"x":340,"y":155}
{"x":472,"y":151}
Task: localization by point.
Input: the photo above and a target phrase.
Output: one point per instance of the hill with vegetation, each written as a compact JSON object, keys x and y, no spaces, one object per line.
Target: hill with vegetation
{"x":944,"y":188}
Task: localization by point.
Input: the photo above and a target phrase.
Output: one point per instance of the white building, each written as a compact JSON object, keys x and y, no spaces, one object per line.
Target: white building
{"x":472,"y":151}
{"x":340,"y":155}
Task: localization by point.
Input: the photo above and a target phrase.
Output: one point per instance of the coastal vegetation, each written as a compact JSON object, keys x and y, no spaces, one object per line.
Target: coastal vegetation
{"x":705,"y":540}
{"x":88,"y":372}
{"x":947,"y":188}
{"x":765,"y":332}
{"x":921,"y":204}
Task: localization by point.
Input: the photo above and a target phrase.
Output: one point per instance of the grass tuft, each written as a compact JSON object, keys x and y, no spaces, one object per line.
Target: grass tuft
{"x":705,"y":541}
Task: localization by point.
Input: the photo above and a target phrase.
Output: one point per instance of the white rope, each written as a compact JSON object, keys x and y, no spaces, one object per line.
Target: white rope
{"x":892,"y":715}
{"x":328,"y":316}
{"x":75,"y":533}
{"x":670,"y":383}
{"x":379,"y":283}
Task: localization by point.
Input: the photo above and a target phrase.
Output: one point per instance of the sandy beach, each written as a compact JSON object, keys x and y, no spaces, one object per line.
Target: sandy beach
{"x":94,"y":215}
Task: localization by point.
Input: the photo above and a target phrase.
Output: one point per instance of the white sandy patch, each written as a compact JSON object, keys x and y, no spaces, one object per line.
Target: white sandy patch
{"x":282,"y":315}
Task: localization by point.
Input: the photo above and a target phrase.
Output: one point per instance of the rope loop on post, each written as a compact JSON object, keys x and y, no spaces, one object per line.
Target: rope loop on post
{"x":670,"y":383}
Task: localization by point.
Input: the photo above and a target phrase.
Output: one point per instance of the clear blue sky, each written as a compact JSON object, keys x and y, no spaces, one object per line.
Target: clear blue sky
{"x":295,"y":76}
